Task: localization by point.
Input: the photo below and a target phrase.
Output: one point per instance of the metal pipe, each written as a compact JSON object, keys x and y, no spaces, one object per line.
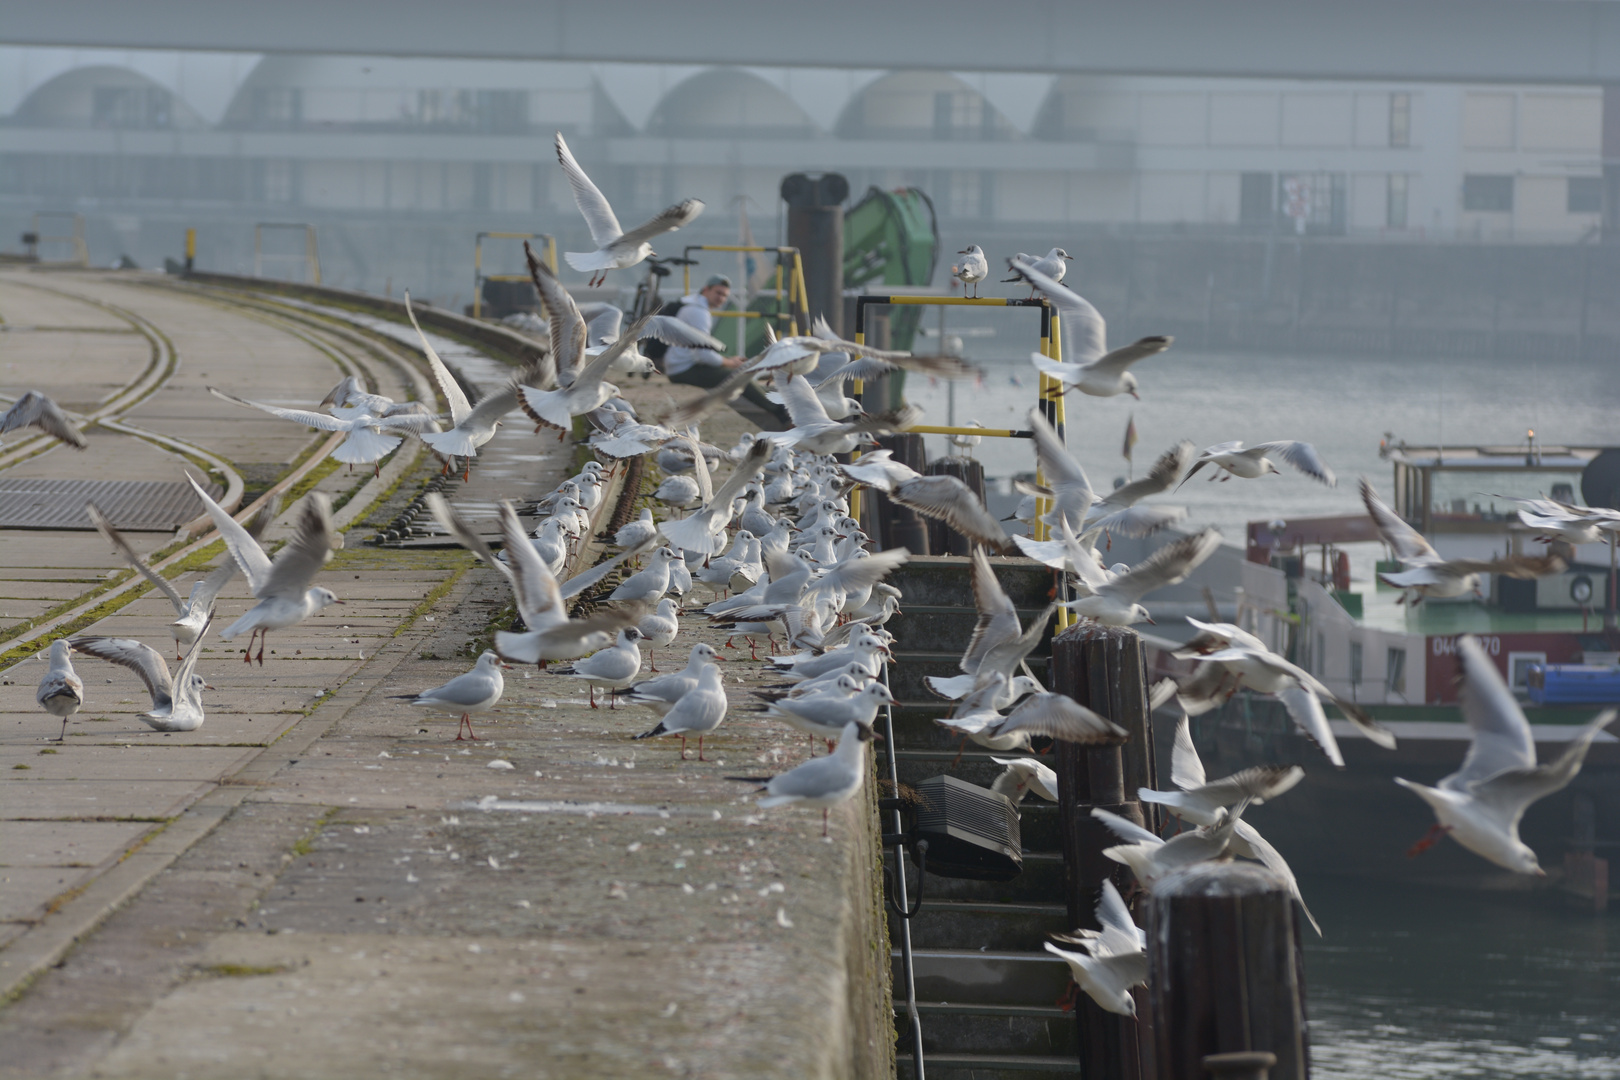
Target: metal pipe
{"x":906,"y":964}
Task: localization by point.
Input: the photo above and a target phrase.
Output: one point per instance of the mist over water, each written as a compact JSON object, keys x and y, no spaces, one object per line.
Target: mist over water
{"x":1341,"y":404}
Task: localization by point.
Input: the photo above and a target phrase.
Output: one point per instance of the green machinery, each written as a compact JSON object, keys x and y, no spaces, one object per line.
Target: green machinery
{"x":890,"y":238}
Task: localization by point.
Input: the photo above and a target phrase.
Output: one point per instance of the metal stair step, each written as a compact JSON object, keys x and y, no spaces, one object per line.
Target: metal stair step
{"x":990,"y":1066}
{"x":944,"y":924}
{"x":1041,"y":882}
{"x":990,"y":977}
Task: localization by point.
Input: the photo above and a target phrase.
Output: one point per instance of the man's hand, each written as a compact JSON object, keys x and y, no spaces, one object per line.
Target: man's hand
{"x":734,"y":362}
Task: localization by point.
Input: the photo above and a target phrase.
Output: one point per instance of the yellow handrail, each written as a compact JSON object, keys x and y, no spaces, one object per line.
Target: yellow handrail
{"x":479,"y":277}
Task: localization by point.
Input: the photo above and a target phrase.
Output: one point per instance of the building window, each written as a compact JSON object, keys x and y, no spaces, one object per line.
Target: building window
{"x":131,"y":107}
{"x":1488,"y":194}
{"x":958,"y":114}
{"x":1395,"y":207}
{"x":1254,"y":198}
{"x":1400,"y":120}
{"x":1585,"y":195}
{"x":1395,"y":672}
{"x":275,"y":106}
{"x":1355,"y":663}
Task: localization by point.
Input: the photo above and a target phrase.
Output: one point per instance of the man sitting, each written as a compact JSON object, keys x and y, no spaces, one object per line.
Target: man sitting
{"x":705,"y":367}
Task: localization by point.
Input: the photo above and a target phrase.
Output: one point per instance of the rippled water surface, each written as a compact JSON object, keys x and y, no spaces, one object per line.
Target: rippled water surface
{"x":1413,"y":984}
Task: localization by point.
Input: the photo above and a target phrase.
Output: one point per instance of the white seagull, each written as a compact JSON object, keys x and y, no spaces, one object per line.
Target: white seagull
{"x":698,"y":712}
{"x":366,"y":440}
{"x":1054,"y":264}
{"x":823,"y":781}
{"x":1151,"y":857}
{"x":1116,"y":601}
{"x":285,"y":595}
{"x":35,"y":410}
{"x":665,"y":692}
{"x":1110,"y":961}
{"x":611,"y":669}
{"x":1480,"y":805}
{"x":973,"y":268}
{"x":193,"y":610}
{"x":61,"y":691}
{"x":942,"y":497}
{"x":1252,"y":462}
{"x":475,"y":691}
{"x":1090,"y":367}
{"x":177,"y":700}
{"x":474,"y":424}
{"x":615,"y":248}
{"x":1022,"y":776}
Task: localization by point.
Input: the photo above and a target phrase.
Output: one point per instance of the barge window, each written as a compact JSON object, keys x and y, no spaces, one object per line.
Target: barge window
{"x":1395,"y":672}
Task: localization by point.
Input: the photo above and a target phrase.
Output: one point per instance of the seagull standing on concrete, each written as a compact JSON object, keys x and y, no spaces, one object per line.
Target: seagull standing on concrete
{"x":1480,"y":805}
{"x":665,"y":692}
{"x":611,"y":669}
{"x":177,"y":700}
{"x":61,"y":692}
{"x":475,"y":691}
{"x":615,"y":248}
{"x":973,"y":268}
{"x":1089,"y":367}
{"x":824,"y":781}
{"x":699,"y":711}
{"x":286,"y":597}
{"x":35,"y":410}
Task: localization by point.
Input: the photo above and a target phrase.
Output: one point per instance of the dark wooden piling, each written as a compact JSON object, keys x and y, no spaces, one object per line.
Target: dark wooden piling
{"x":942,"y":539}
{"x":1223,"y":973}
{"x":1104,"y":669}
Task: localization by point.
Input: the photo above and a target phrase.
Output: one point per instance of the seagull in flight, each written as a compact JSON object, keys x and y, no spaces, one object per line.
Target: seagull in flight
{"x":1480,"y":805}
{"x":35,"y":410}
{"x":474,"y":424}
{"x":1092,"y":369}
{"x":1252,"y":462}
{"x":176,"y":699}
{"x":615,"y":248}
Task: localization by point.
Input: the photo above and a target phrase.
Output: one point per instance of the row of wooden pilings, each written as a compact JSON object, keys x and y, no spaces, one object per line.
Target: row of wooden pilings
{"x":1225,"y":995}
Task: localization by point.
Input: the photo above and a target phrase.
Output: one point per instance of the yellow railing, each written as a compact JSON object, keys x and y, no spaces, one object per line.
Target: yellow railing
{"x":311,"y":255}
{"x":479,"y":277}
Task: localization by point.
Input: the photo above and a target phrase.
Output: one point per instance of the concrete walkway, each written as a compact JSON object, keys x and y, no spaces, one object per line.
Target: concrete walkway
{"x":319,"y":882}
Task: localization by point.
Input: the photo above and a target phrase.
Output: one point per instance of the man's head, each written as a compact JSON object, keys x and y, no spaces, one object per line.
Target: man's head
{"x":717,"y":290}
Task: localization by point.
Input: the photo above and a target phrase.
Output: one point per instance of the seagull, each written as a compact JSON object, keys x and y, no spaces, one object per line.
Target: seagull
{"x":699,"y":711}
{"x":551,"y":634}
{"x":61,"y":691}
{"x":194,"y":610}
{"x":177,"y":701}
{"x":703,"y":530}
{"x":1056,"y":716}
{"x":35,"y":410}
{"x":824,"y":781}
{"x":475,"y":691}
{"x":825,"y":714}
{"x":365,"y":441}
{"x":474,"y":424}
{"x":679,"y":491}
{"x":350,"y":398}
{"x":663,"y":693}
{"x":648,"y":585}
{"x":637,"y":532}
{"x":286,"y":597}
{"x":1054,"y":265}
{"x":604,"y":330}
{"x":1257,"y":667}
{"x":1022,"y":776}
{"x":660,"y":628}
{"x":942,"y":497}
{"x":1480,"y":805}
{"x":1117,"y":601}
{"x":814,"y":431}
{"x":1430,"y":576}
{"x":997,"y":625}
{"x":1199,"y":801}
{"x":612,"y":669}
{"x":1249,"y":463}
{"x":1110,"y":961}
{"x":1092,"y":369}
{"x":973,"y":268}
{"x":615,"y":248}
{"x":1151,"y":857}
{"x":587,"y":392}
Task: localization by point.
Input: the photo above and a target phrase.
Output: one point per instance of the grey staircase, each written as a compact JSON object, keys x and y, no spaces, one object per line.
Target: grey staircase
{"x":987,"y":991}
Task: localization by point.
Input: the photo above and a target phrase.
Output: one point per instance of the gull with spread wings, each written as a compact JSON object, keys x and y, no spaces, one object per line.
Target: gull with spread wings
{"x":1093,"y":369}
{"x":474,"y":424}
{"x":615,"y":248}
{"x":35,"y":410}
{"x":1253,"y":462}
{"x":366,"y":441}
{"x":176,"y":699}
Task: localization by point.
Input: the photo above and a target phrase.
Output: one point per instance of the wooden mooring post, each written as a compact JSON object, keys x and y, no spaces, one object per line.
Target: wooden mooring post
{"x":1224,"y":974}
{"x":1104,"y":669}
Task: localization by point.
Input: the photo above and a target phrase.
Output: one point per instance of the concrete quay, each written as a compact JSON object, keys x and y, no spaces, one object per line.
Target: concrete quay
{"x":319,"y":882}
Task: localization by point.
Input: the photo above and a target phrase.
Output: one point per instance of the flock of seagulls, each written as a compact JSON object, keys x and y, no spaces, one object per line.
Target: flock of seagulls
{"x":772,"y":553}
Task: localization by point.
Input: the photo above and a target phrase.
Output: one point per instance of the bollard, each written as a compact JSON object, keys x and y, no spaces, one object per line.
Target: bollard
{"x":1223,"y":972}
{"x":815,"y":225}
{"x":1104,"y":669}
{"x":1244,"y":1065}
